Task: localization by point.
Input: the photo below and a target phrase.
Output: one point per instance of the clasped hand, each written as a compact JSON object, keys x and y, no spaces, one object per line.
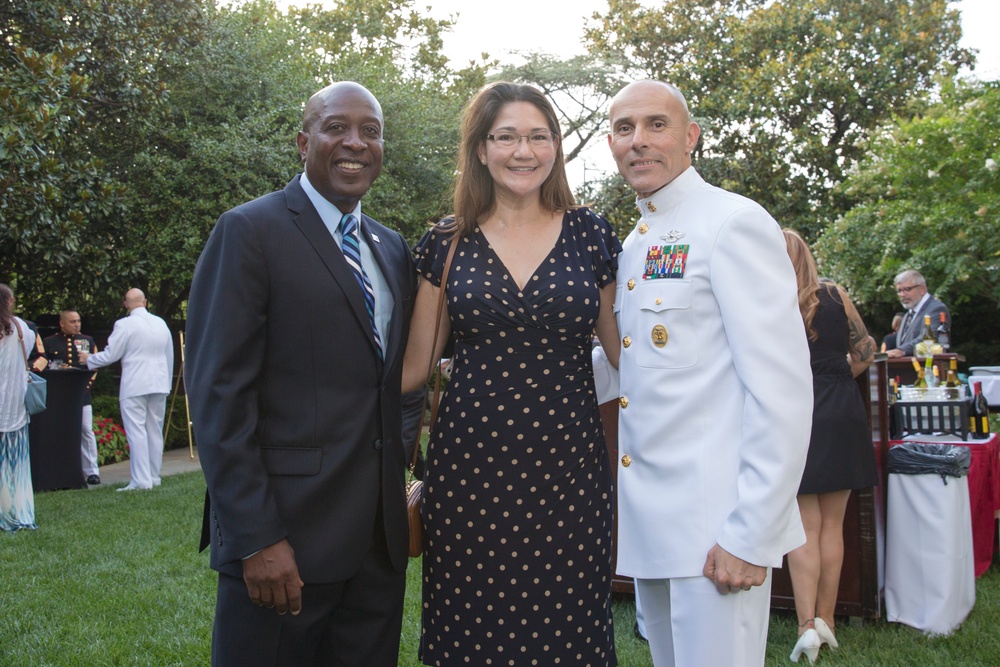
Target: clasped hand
{"x":731,"y":574}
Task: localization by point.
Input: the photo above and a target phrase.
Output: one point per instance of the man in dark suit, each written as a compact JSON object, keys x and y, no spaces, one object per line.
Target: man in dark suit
{"x":912,"y":291}
{"x":294,"y":380}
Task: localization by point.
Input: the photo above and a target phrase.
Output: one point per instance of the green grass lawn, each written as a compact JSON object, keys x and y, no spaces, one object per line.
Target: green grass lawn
{"x":115,"y":579}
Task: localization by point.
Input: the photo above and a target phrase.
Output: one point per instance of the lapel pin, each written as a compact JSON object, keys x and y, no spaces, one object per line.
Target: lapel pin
{"x":375,"y":238}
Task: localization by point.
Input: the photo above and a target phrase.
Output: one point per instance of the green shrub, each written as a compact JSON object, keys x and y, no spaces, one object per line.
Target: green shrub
{"x":106,"y":406}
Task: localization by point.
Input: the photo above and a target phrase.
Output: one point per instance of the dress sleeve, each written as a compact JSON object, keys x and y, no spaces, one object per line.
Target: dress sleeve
{"x":604,"y":245}
{"x":431,"y":251}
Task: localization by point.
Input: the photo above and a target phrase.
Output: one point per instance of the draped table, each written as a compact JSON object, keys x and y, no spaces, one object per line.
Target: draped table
{"x":984,"y":490}
{"x":54,"y":434}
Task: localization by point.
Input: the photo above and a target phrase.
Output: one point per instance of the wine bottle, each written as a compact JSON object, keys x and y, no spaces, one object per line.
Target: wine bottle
{"x":931,"y":379}
{"x":951,"y":379}
{"x":943,"y":334}
{"x":979,"y":414}
{"x":920,"y":381}
{"x":923,"y":348}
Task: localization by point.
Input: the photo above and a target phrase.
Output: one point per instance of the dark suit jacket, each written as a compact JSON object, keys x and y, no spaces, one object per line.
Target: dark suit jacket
{"x":907,"y":339}
{"x":296,"y":419}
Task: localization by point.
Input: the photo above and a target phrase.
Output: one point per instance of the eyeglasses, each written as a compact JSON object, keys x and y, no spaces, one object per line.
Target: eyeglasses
{"x":906,"y":290}
{"x":537,"y":139}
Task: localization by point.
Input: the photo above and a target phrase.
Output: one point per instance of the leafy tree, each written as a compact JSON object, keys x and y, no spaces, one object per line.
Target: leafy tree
{"x":614,"y":199}
{"x":77,"y":79}
{"x":787,"y":90}
{"x":930,"y":200}
{"x":227,"y":135}
{"x":143,"y":122}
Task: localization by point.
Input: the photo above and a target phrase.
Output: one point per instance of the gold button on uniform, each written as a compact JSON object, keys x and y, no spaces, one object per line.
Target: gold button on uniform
{"x":652,"y":207}
{"x":623,"y":402}
{"x":631,"y":284}
{"x":626,"y":341}
{"x":626,"y":460}
{"x":643,"y":228}
{"x":658,"y":301}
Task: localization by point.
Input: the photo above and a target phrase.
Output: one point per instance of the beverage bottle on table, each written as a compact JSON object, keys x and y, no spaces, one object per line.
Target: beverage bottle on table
{"x":951,"y":379}
{"x":923,"y":348}
{"x":931,"y":379}
{"x":892,"y":398}
{"x":979,"y":414}
{"x":942,"y":333}
{"x":920,"y":381}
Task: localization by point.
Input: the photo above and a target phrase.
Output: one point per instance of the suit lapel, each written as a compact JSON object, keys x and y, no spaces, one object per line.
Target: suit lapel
{"x":917,"y":323}
{"x":311,"y":225}
{"x":390,"y":339}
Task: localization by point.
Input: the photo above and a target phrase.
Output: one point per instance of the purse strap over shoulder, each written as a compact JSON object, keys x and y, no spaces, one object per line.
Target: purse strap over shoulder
{"x":20,"y":338}
{"x":433,"y":372}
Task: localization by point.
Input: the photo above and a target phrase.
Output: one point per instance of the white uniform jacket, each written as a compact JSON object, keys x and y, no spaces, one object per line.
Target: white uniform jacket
{"x":715,"y":385}
{"x":142,"y":342}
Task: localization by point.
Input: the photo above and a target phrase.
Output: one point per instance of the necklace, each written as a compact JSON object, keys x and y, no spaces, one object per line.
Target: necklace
{"x":506,"y":225}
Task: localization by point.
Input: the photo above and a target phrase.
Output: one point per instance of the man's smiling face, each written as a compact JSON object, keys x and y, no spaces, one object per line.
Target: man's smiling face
{"x":341,"y":143}
{"x":651,"y":135}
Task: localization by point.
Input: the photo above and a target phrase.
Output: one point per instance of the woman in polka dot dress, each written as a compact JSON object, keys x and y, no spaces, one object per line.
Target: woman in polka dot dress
{"x":518,"y":496}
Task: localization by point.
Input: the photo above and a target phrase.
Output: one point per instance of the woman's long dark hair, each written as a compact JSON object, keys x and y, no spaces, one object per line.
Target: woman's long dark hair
{"x":474,"y":196}
{"x":6,"y":314}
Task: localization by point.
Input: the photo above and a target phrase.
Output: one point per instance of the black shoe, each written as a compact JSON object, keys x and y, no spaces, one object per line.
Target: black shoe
{"x":93,"y":479}
{"x":638,"y":635}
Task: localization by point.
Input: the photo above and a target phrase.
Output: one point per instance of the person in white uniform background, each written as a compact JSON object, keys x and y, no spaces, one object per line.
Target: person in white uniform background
{"x":715,"y":394}
{"x":143,"y":344}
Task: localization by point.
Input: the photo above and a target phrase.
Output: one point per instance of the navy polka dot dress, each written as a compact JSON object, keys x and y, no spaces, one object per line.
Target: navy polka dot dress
{"x":518,"y":494}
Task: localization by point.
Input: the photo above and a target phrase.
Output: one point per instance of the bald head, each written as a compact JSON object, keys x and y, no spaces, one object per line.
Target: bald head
{"x":648,"y":87}
{"x":69,"y":322}
{"x":652,"y":135}
{"x":134,"y":298}
{"x":323,"y":98}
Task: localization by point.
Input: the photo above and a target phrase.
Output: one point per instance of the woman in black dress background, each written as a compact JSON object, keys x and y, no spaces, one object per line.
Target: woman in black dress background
{"x":841,"y":457}
{"x":517,"y":504}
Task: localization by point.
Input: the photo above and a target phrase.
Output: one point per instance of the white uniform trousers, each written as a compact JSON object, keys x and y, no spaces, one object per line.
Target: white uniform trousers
{"x":142,"y":417}
{"x":690,"y":624}
{"x":88,"y":443}
{"x":640,"y":620}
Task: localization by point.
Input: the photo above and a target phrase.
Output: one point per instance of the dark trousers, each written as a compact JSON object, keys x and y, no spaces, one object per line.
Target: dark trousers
{"x":355,"y":623}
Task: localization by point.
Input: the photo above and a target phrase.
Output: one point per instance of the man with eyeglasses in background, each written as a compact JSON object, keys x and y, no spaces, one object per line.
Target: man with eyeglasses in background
{"x":912,"y":291}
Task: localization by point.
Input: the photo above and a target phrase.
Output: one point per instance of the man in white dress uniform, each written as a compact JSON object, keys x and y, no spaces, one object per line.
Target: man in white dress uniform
{"x":715,"y":394}
{"x":143,"y":344}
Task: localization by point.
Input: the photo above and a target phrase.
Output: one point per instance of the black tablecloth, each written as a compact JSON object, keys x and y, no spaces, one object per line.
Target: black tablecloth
{"x":55,"y":433}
